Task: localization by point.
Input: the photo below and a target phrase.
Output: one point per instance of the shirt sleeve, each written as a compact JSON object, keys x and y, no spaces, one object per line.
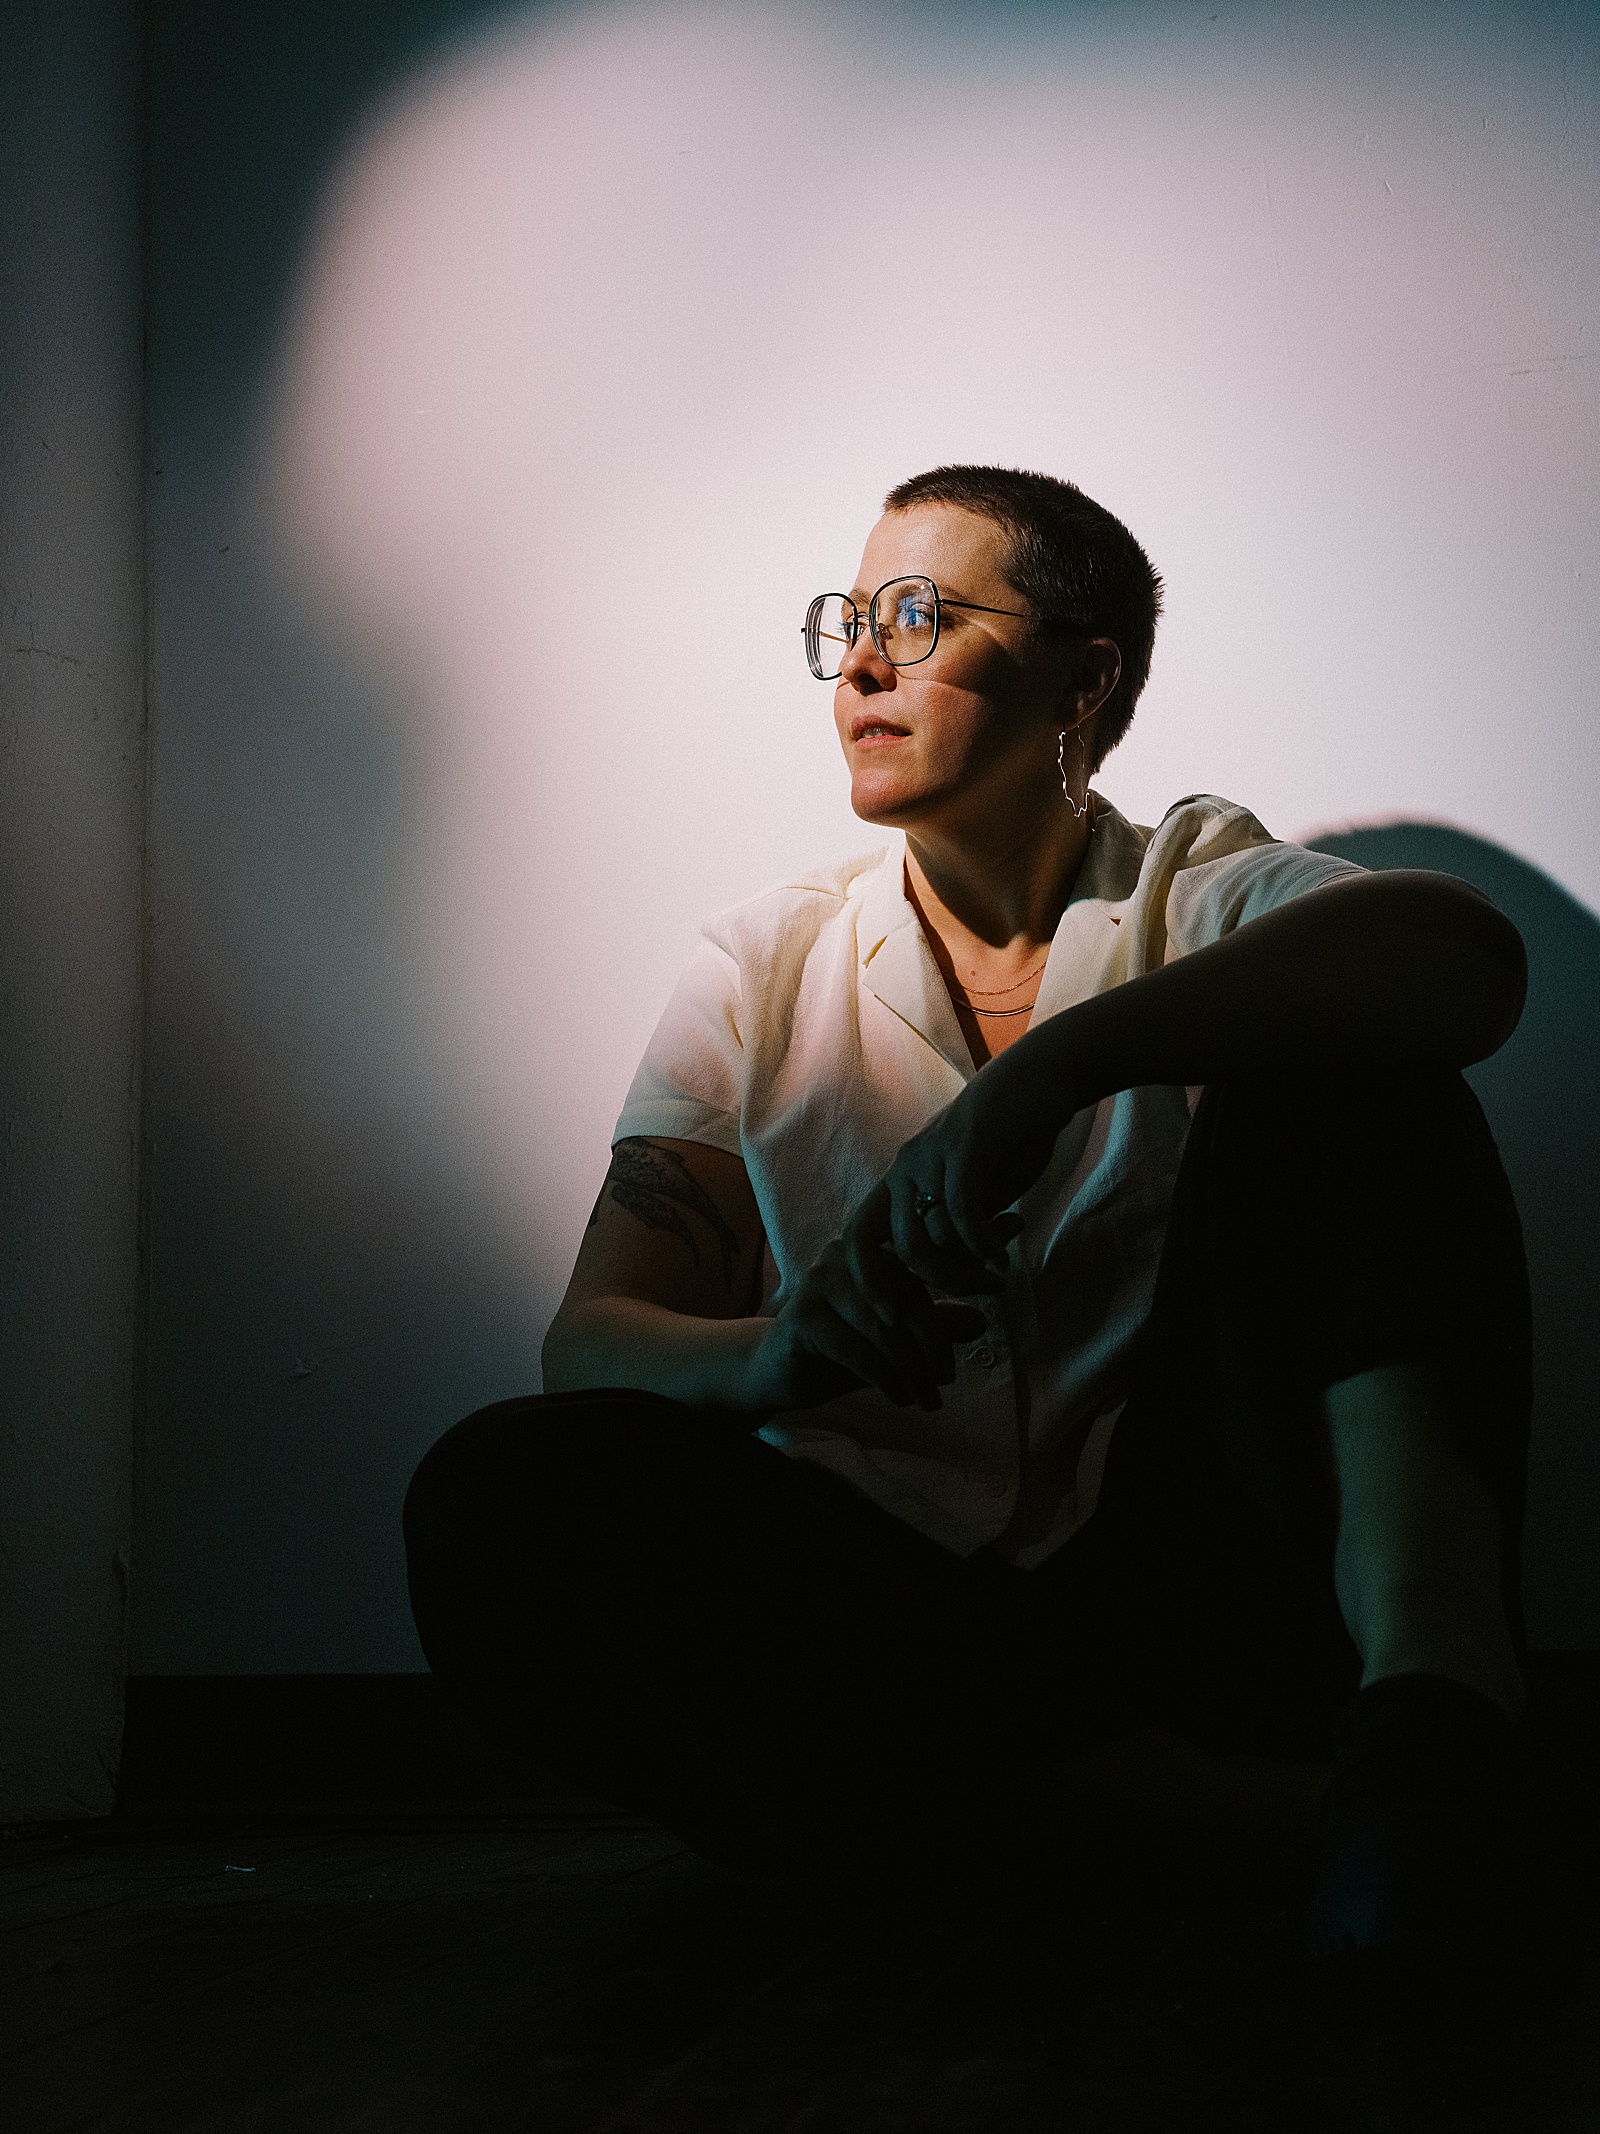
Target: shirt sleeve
{"x":1207,"y":901}
{"x":690,"y":1083}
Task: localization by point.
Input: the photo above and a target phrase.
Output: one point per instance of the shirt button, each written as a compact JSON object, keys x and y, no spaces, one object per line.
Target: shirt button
{"x":984,"y":1356}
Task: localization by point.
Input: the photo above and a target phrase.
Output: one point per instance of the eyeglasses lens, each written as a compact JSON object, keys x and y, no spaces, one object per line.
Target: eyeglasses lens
{"x":906,"y":614}
{"x":905,"y":619}
{"x":832,"y":627}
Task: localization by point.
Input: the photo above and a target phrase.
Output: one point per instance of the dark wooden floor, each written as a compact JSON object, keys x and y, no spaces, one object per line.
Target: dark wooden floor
{"x":571,"y":1971}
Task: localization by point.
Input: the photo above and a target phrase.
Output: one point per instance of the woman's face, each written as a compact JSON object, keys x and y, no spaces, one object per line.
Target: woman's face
{"x":976,"y":726}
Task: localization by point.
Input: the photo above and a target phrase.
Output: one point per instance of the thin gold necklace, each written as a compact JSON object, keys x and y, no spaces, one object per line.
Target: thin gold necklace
{"x":994,"y":992}
{"x":969,"y":994}
{"x":1001,"y":1014}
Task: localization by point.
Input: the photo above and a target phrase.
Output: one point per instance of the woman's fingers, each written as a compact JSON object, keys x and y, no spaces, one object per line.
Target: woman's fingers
{"x":903,"y":1315}
{"x":819,"y":1329}
{"x":872,"y":1220}
{"x":907,"y":1215}
{"x":906,"y":1222}
{"x":877,"y":1354}
{"x":951,"y":1270}
{"x":937,"y":1228}
{"x":904,"y":1241}
{"x":834,"y":1338}
{"x":925,"y":1233}
{"x":909,"y":1298}
{"x":943,"y":1242}
{"x":969,"y":1220}
{"x":971,"y":1256}
{"x":935,"y":1208}
{"x":942,"y":1196}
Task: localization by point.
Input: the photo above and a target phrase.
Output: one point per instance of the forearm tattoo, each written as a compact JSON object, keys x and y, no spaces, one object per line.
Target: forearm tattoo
{"x":657,"y":1186}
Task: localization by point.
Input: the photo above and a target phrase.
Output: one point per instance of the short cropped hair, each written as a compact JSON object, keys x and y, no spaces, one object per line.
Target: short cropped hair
{"x":1079,"y":569}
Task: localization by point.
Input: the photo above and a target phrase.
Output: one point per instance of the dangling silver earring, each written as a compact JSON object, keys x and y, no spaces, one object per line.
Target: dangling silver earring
{"x":1061,"y":765}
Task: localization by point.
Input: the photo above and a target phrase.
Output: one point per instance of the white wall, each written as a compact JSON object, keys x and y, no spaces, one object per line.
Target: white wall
{"x":613,"y":331}
{"x":71,"y":789}
{"x":610,"y":349}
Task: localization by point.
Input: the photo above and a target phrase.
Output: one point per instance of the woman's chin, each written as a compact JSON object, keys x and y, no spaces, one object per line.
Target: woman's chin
{"x":887,"y":802}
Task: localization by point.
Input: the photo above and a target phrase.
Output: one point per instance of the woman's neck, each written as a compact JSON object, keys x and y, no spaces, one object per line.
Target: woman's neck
{"x":989,"y":925}
{"x":993,"y":903}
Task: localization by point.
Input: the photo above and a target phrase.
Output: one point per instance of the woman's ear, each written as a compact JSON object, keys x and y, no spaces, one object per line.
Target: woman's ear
{"x":1098,"y":672}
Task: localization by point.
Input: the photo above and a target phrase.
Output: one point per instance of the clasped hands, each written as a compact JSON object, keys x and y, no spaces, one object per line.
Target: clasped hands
{"x":881,"y":1305}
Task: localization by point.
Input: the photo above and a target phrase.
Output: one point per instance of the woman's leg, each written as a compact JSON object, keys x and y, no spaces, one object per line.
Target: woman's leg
{"x":691,"y":1624}
{"x":1422,"y":1545}
{"x":1339,"y":1382}
{"x":1343,"y":1304}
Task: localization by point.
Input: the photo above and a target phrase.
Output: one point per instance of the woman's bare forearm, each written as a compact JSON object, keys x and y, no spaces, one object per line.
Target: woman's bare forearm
{"x":1380,"y":970}
{"x":624,"y":1341}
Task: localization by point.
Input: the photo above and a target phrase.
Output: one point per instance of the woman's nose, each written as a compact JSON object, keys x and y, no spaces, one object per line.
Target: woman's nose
{"x":865,"y":668}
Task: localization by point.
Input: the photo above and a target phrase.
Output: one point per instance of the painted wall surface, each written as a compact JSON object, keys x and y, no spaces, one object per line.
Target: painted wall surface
{"x":71,"y":796}
{"x":1538,"y":1094}
{"x":516,"y":381}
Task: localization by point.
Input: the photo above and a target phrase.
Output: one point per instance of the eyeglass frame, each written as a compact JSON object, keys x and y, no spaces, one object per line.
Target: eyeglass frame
{"x":813,"y":615}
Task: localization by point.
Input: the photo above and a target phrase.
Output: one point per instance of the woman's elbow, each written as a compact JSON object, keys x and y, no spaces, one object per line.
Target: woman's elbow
{"x":560,"y":1358}
{"x":1497,"y":988}
{"x":1459,"y":969}
{"x":1505,"y":996}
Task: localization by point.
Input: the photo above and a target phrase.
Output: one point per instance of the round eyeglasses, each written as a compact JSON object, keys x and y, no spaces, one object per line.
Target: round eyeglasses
{"x":902,"y":618}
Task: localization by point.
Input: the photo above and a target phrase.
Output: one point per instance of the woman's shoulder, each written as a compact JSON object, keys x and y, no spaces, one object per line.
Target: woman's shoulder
{"x":1199,"y":836}
{"x":1208,"y":820}
{"x":1197,"y":828}
{"x":1209,"y":865}
{"x":1203,"y":830}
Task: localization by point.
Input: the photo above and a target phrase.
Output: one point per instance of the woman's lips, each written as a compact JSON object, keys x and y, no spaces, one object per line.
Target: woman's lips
{"x":867,"y":731}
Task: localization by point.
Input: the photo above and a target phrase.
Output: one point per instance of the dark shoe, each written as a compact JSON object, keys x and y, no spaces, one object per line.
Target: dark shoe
{"x":1440,"y":1870}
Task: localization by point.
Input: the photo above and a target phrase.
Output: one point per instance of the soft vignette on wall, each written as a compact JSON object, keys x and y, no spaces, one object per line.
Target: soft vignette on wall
{"x":616,"y":334}
{"x":607,"y":347}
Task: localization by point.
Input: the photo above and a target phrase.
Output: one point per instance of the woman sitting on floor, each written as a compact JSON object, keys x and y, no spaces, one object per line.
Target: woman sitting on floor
{"x":1055,"y":1310}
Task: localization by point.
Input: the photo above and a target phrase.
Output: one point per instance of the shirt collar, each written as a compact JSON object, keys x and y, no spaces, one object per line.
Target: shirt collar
{"x":897,"y":964}
{"x":1088,"y":951}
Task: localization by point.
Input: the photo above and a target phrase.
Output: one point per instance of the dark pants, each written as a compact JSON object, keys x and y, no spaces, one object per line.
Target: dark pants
{"x":691,"y":1624}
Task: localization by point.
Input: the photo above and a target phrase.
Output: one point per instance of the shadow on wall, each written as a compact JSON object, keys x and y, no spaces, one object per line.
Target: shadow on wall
{"x":1540,"y":1096}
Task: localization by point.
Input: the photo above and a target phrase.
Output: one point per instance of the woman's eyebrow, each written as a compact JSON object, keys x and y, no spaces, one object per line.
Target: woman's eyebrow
{"x":860,"y":596}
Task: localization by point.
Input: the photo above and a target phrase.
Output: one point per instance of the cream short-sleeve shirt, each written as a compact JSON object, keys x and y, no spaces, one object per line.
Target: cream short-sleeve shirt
{"x":812,"y":1035}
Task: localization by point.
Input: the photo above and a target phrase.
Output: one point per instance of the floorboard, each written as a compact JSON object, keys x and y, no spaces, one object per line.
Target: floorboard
{"x":573,"y":1972}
